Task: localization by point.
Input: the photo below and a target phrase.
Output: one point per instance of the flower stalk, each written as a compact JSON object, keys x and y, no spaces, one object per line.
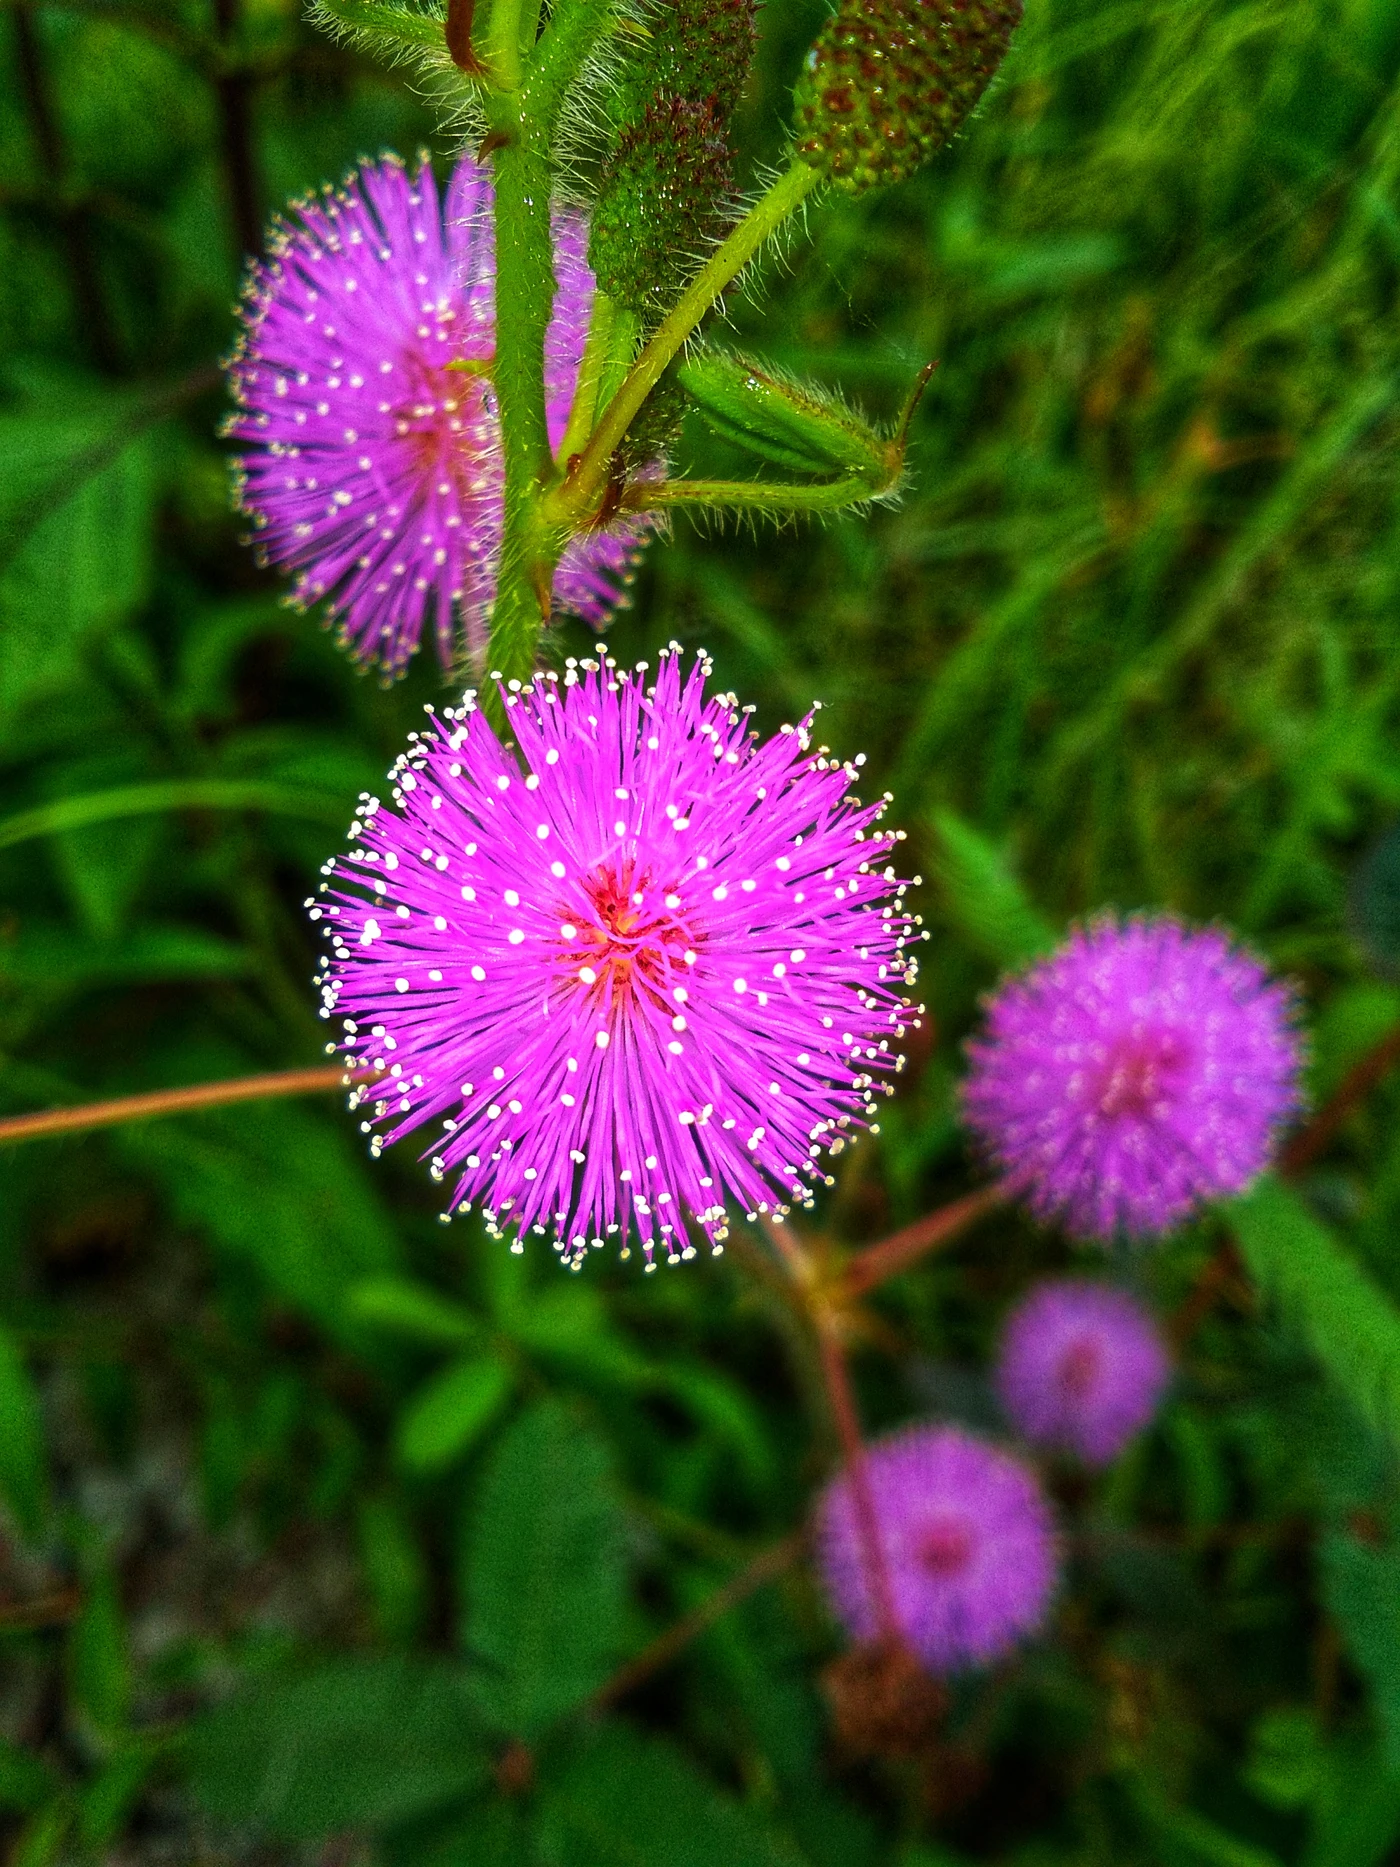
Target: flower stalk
{"x":581,"y":493}
{"x":111,"y":1114}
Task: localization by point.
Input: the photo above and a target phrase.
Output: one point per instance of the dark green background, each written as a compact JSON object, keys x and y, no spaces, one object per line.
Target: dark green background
{"x":274,"y":1440}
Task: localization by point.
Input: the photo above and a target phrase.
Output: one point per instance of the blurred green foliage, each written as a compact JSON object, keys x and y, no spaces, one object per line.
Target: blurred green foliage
{"x":326,"y":1526}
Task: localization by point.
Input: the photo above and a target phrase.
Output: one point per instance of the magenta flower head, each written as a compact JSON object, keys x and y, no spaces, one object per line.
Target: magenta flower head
{"x":632,"y":969}
{"x":363,"y":380}
{"x":969,"y":1546}
{"x":1143,"y":1068}
{"x":1082,"y":1368}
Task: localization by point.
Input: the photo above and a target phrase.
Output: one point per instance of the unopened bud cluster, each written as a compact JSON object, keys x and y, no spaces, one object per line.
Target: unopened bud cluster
{"x":889,"y":82}
{"x":666,"y":193}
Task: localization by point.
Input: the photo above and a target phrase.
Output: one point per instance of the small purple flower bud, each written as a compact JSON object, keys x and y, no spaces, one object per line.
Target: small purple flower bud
{"x":1082,"y":1368}
{"x":969,"y":1546}
{"x":1143,"y":1068}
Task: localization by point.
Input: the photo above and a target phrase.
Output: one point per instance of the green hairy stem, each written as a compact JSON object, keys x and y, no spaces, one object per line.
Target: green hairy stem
{"x":748,"y":495}
{"x":583,"y":488}
{"x":527,"y":84}
{"x":524,"y":296}
{"x":524,"y":87}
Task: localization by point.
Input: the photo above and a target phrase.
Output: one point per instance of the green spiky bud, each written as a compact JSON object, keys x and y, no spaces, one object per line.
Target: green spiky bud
{"x":665,"y":197}
{"x":695,"y":49}
{"x":888,"y":83}
{"x":666,"y":190}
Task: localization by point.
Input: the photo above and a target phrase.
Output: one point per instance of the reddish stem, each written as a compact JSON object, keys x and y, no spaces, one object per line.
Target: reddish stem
{"x":837,"y":1379}
{"x":668,"y":1645}
{"x":1310,"y":1141}
{"x":177,"y":1101}
{"x":1354,"y":1087}
{"x":894,"y":1254}
{"x":457,"y":30}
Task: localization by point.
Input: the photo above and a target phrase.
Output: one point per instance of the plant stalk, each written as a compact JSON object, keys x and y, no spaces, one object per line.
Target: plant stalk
{"x":765,"y":1567}
{"x":879,"y":1263}
{"x":120,"y":1109}
{"x":524,"y":299}
{"x":580,"y":494}
{"x":748,"y":495}
{"x":837,"y":1379}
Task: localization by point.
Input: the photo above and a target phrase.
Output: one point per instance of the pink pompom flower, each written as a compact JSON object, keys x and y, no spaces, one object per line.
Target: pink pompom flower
{"x":372,"y":453}
{"x":969,"y":1545}
{"x":1142,"y":1069}
{"x":632,"y":969}
{"x":1082,"y":1368}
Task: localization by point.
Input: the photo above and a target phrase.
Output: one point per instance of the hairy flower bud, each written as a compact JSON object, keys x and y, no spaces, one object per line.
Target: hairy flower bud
{"x":662,"y":202}
{"x":697,"y":49}
{"x":888,"y":82}
{"x":666,"y":191}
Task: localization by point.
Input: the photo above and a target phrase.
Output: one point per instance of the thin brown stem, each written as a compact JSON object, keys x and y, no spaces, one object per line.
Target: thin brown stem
{"x":765,"y":1567}
{"x":89,"y":1115}
{"x":43,"y":1611}
{"x":880,"y":1262}
{"x":837,"y":1378}
{"x":1215,"y":1276}
{"x":1355,"y":1086}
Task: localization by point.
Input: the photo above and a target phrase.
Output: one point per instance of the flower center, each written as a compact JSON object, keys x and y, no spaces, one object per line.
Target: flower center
{"x":1132,"y":1080}
{"x":945,"y":1544}
{"x":1079,"y":1368}
{"x":636,"y":945}
{"x":441,"y":417}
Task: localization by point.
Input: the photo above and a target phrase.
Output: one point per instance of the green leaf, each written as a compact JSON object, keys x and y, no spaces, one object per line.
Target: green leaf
{"x":1181,"y":1834}
{"x":401,"y":1307}
{"x":723,"y":1407}
{"x":1350,"y":1789}
{"x":43,"y":1838}
{"x":47,"y":956}
{"x":983,"y":897}
{"x":98,"y":1662}
{"x":1356,"y":1815}
{"x":108,"y":1799}
{"x":26,"y":1781}
{"x":544,"y":1570}
{"x":1361,"y":1589}
{"x":630,"y":1801}
{"x":490,"y":1834}
{"x":568,"y":1328}
{"x":23,"y":1474}
{"x":1349,"y":1324}
{"x":395,"y":1567}
{"x":1287,"y":1758}
{"x":447,"y":1415}
{"x":358,"y":1743}
{"x":143,"y":800}
{"x":280,"y":1187}
{"x":102,"y":868}
{"x":75,"y":546}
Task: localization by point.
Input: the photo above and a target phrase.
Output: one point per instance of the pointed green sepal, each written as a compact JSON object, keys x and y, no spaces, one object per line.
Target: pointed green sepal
{"x":794,"y":425}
